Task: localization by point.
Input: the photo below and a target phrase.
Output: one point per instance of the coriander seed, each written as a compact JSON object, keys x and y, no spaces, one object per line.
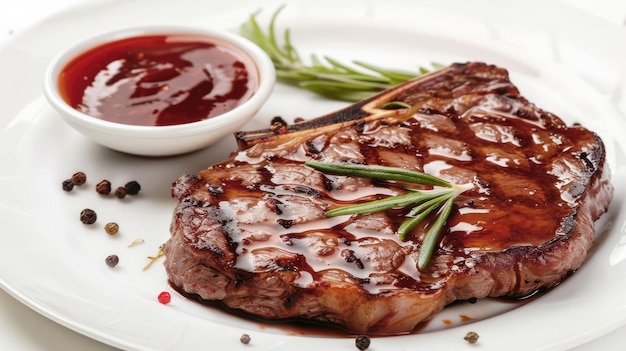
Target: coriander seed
{"x":362,"y":342}
{"x":120,"y":192}
{"x":104,"y":187}
{"x":111,"y":228}
{"x":88,"y":216}
{"x":68,"y":185}
{"x":245,"y":339}
{"x":79,"y":178}
{"x":112,"y":260}
{"x":471,"y":337}
{"x":132,"y":187}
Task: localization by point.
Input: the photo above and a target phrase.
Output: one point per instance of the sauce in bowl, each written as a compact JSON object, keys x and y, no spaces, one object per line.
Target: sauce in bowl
{"x":158,"y":80}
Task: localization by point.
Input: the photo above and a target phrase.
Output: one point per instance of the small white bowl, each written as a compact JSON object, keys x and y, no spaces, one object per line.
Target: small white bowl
{"x":171,"y":139}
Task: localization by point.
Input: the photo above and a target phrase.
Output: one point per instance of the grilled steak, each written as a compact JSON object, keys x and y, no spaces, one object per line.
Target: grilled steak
{"x":252,"y":233}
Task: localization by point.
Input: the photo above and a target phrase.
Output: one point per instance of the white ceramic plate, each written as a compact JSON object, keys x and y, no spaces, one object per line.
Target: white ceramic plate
{"x":55,"y":265}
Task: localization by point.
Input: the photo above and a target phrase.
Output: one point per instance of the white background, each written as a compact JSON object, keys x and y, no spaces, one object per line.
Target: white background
{"x":24,"y":329}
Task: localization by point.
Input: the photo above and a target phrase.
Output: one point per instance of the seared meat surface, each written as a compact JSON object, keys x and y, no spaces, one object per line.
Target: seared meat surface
{"x":251,"y":231}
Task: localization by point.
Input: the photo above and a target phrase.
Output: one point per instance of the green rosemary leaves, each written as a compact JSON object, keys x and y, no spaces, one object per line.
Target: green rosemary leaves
{"x":327,"y":77}
{"x":422,"y":202}
{"x":378,"y":172}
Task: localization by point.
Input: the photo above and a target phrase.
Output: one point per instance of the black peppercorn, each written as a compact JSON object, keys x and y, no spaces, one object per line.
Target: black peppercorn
{"x":120,"y":192}
{"x":112,"y":260}
{"x":68,"y":185}
{"x":79,"y":178}
{"x":88,"y":216}
{"x":132,"y":187}
{"x":362,"y":342}
{"x":245,"y":339}
{"x":104,"y":187}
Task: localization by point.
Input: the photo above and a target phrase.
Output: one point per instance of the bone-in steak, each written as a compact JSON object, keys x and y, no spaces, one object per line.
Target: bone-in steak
{"x":251,"y":231}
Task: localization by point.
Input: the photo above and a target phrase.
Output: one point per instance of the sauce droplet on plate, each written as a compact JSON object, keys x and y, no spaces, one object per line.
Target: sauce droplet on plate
{"x":158,"y":80}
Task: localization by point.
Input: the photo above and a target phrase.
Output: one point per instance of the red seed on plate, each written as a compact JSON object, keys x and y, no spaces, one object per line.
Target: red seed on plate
{"x":164,"y":297}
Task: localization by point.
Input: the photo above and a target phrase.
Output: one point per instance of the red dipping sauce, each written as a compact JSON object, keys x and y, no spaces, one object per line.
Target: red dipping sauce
{"x":158,"y":80}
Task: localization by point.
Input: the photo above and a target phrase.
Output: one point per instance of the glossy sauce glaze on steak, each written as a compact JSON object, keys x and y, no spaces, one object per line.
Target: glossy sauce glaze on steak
{"x":252,"y":233}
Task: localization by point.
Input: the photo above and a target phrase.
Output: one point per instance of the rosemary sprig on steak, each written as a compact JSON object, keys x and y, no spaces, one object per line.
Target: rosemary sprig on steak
{"x":327,"y":77}
{"x":423,"y":202}
{"x":378,"y":172}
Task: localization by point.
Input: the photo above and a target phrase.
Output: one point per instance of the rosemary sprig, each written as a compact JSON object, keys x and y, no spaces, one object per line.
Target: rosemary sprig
{"x":377,"y":205}
{"x":432,"y":235}
{"x":378,"y":172}
{"x":423,"y":202}
{"x":327,"y":77}
{"x":421,"y":211}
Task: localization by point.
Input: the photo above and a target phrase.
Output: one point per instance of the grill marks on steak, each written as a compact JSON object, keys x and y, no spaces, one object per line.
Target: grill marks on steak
{"x":251,"y":232}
